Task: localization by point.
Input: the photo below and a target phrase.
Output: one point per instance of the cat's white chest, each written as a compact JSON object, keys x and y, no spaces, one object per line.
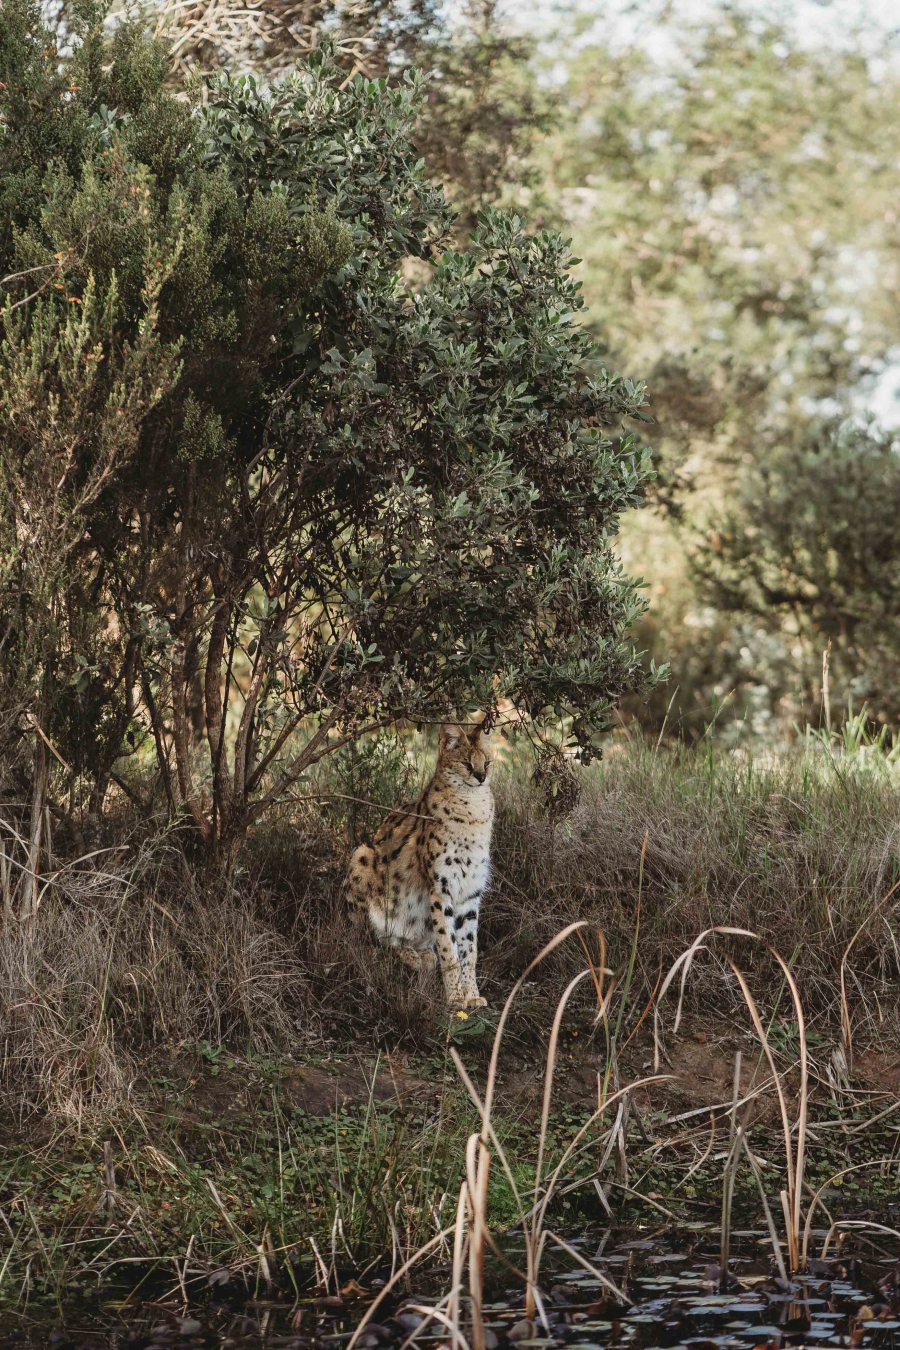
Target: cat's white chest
{"x":464,"y":867}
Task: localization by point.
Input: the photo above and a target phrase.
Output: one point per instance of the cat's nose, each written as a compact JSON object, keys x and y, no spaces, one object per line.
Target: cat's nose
{"x":480,"y":777}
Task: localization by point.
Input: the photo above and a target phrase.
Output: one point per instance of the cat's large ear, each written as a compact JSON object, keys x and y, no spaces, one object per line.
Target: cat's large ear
{"x":451,"y":735}
{"x":479,"y":737}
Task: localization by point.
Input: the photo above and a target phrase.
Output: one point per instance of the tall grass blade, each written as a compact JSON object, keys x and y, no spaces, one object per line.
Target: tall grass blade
{"x":787,"y":1197}
{"x":478,"y":1161}
{"x":802,"y":1115}
{"x":586,"y":1265}
{"x":770,"y":1222}
{"x":846,"y":1029}
{"x":684,"y":962}
{"x":855,"y":1223}
{"x":731,"y":1163}
{"x":459,"y":1258}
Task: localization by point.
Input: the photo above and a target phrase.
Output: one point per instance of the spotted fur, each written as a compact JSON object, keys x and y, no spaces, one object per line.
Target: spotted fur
{"x":422,"y":877}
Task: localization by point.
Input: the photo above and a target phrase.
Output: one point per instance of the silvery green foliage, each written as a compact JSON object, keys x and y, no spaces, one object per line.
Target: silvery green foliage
{"x":465,"y":493}
{"x":360,"y":500}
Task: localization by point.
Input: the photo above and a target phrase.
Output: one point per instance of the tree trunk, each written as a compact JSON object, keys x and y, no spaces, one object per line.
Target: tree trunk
{"x":224,"y":852}
{"x":29,"y":893}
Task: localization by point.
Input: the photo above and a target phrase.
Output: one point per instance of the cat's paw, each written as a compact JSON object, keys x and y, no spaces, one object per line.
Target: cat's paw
{"x":467,"y":1001}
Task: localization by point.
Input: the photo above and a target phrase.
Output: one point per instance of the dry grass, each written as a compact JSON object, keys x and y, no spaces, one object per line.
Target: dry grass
{"x":797,"y":851}
{"x":130,"y":954}
{"x":122,"y":961}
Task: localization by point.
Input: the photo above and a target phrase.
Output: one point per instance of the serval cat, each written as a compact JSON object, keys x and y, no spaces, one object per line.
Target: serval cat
{"x":422,"y":877}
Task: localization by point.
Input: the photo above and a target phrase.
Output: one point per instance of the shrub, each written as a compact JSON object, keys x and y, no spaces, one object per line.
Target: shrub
{"x":811,"y":544}
{"x":336,"y":502}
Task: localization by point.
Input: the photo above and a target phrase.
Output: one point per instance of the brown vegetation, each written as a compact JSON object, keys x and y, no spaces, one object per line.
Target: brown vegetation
{"x":131,"y":958}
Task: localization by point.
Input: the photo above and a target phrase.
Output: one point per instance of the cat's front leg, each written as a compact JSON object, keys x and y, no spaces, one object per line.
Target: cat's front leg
{"x":466,"y":939}
{"x":451,"y":970}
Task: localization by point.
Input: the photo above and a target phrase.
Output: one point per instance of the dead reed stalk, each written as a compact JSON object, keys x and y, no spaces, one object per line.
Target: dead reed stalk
{"x":795,"y":1158}
{"x":472,"y":1233}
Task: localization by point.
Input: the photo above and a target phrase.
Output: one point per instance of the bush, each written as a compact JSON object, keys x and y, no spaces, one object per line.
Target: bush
{"x":261,"y":498}
{"x":810,"y":544}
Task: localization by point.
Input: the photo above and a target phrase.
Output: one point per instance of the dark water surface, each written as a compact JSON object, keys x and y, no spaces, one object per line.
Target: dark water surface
{"x":671,"y":1279}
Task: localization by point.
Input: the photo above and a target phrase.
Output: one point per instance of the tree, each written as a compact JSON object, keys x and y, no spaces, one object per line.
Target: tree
{"x":811,"y":540}
{"x":356,"y":502}
{"x":734,"y":201}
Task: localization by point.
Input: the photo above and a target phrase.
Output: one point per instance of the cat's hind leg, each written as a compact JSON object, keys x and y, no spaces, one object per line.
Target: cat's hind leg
{"x":362,"y":881}
{"x":402,"y":921}
{"x":412,"y":935}
{"x":416,"y":960}
{"x":365,"y":889}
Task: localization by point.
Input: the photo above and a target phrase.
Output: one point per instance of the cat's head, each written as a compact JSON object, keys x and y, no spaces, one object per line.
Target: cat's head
{"x":465,"y":754}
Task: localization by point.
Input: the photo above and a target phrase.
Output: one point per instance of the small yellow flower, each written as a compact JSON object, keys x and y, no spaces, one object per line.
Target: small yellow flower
{"x":463,"y":1016}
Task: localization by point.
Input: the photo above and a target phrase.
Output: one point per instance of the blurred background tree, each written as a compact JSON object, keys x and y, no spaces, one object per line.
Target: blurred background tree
{"x":734,"y":194}
{"x":810,"y":544}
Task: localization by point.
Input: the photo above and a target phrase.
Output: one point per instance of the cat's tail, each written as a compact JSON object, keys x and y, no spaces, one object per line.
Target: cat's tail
{"x":361,"y":886}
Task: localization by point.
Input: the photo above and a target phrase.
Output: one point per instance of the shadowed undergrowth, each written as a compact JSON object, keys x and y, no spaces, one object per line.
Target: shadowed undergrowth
{"x":132,"y":957}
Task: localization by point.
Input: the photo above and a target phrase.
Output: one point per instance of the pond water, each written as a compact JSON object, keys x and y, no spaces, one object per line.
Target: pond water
{"x":670,"y":1277}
